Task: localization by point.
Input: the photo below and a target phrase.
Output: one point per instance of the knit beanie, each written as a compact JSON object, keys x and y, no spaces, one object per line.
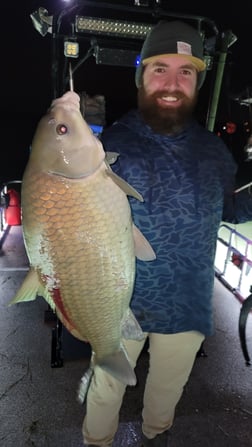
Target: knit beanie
{"x":173,"y":38}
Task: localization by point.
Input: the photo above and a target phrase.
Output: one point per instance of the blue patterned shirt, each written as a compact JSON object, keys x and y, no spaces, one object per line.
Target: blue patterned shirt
{"x":187,"y":182}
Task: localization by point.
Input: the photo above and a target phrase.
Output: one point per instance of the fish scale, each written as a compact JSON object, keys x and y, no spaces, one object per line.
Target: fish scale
{"x":83,"y":226}
{"x":79,"y":236}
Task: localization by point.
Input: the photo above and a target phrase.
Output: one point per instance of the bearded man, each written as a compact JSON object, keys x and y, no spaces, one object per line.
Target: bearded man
{"x":186,"y":175}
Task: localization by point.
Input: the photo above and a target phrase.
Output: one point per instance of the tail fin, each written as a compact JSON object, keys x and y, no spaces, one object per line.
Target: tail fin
{"x":116,"y":364}
{"x":84,"y":385}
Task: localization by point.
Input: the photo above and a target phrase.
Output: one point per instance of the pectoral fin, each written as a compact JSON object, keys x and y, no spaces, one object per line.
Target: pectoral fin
{"x":111,"y":157}
{"x":125,"y":187}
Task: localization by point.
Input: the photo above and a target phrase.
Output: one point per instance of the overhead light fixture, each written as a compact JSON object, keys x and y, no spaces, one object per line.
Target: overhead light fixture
{"x":42,"y":22}
{"x":111,"y":27}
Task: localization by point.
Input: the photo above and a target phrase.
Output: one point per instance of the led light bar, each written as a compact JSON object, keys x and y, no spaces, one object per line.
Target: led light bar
{"x":111,"y":27}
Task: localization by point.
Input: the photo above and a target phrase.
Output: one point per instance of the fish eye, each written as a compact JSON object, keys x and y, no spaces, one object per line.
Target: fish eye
{"x":61,"y":129}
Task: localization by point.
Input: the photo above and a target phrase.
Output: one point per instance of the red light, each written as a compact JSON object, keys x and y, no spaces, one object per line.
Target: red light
{"x":230,"y":127}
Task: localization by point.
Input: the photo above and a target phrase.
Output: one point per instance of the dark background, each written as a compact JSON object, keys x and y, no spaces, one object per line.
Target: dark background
{"x":27,"y":76}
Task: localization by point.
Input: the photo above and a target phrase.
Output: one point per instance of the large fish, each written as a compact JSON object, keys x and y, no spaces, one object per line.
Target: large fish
{"x":79,"y":236}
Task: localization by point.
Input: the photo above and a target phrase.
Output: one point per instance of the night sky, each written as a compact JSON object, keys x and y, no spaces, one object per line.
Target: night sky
{"x":27,"y":81}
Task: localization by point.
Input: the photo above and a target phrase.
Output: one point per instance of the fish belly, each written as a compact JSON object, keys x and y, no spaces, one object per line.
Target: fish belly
{"x":78,"y":236}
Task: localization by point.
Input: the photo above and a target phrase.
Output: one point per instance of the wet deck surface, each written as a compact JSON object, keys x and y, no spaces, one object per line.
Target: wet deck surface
{"x":38,"y":406}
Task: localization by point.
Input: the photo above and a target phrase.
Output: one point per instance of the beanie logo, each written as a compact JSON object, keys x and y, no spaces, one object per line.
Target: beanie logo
{"x":184,"y":48}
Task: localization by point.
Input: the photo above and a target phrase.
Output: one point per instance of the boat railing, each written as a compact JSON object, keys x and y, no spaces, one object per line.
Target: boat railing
{"x":233,"y":261}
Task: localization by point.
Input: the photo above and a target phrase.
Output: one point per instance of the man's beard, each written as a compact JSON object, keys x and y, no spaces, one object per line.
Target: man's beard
{"x":166,"y":120}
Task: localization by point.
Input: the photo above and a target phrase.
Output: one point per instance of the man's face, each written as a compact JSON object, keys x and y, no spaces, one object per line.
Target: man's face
{"x":168,"y":93}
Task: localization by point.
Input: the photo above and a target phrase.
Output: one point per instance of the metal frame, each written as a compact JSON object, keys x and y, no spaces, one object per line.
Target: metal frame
{"x":63,"y":25}
{"x":246,"y":262}
{"x":216,"y":44}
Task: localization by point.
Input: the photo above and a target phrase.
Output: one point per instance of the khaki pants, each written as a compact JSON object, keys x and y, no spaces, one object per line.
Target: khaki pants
{"x":171,"y":360}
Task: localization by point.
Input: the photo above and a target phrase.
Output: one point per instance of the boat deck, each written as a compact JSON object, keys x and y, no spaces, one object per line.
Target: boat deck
{"x":38,"y":405}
